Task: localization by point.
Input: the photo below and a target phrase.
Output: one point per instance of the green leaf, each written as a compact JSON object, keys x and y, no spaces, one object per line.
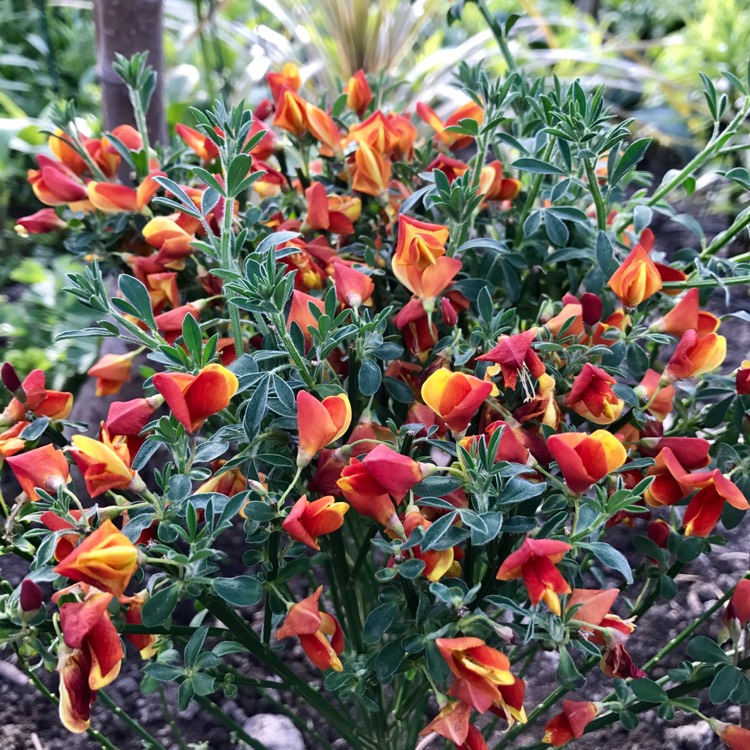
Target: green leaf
{"x":633,"y":154}
{"x":35,"y":430}
{"x":388,"y":661}
{"x":378,"y":622}
{"x":536,"y":166}
{"x":256,"y":409}
{"x":435,"y":536}
{"x":160,"y":606}
{"x":608,"y":555}
{"x":136,"y":293}
{"x":605,"y":255}
{"x":369,"y":378}
{"x":648,"y":691}
{"x":706,"y":650}
{"x":411,"y":569}
{"x":242,"y":591}
{"x":519,"y":490}
{"x":567,"y":673}
{"x":163,"y":672}
{"x":194,"y":646}
{"x":725,"y":682}
{"x":192,"y":336}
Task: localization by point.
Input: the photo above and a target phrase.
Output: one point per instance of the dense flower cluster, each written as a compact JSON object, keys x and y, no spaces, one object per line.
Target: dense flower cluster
{"x":316,"y":316}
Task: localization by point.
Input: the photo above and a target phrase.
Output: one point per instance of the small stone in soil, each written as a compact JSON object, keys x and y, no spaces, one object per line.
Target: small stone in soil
{"x":274,"y":731}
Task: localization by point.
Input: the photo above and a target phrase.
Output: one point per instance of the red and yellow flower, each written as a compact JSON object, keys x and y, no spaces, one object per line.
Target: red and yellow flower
{"x":88,"y":659}
{"x":44,"y":467}
{"x":320,"y":634}
{"x":695,"y":355}
{"x":592,"y":397}
{"x":705,"y":508}
{"x":358,"y":93}
{"x":586,"y":459}
{"x":106,"y":559}
{"x":570,"y":723}
{"x":194,"y":398}
{"x":515,"y":356}
{"x":535,"y":562}
{"x":112,"y":371}
{"x":320,"y":423}
{"x":636,"y":279}
{"x":479,"y":671}
{"x":105,"y":463}
{"x":455,"y":397}
{"x":309,"y":520}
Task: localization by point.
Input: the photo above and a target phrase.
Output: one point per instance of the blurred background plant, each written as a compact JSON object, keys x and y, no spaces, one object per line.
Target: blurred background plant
{"x":647,"y":52}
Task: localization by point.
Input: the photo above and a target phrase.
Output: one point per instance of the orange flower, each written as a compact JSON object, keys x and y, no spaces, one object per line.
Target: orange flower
{"x":332,"y":213}
{"x":515,"y":356}
{"x":66,"y":542}
{"x":705,"y":508}
{"x":106,"y":559}
{"x":314,"y":629}
{"x":376,"y":131}
{"x":11,"y":441}
{"x":162,"y":289}
{"x":586,"y":459}
{"x":591,"y":607}
{"x":110,"y":198}
{"x":43,"y":221}
{"x":88,"y":659}
{"x":686,"y":314}
{"x":229,"y":482}
{"x":309,"y":520}
{"x":105,"y":464}
{"x":735,"y":738}
{"x":570,"y":723}
{"x":288,"y":78}
{"x":636,"y":279}
{"x":358,"y":93}
{"x":479,"y":671}
{"x":56,"y":185}
{"x":535,"y":562}
{"x":366,"y":495}
{"x":323,"y":129}
{"x":393,"y":471}
{"x":353,"y":287}
{"x":320,"y":423}
{"x":510,"y":448}
{"x":452,"y":723}
{"x":167,"y":236}
{"x":451,"y":168}
{"x":420,"y":262}
{"x":371,"y":171}
{"x":62,"y":146}
{"x":299,"y":312}
{"x":44,"y":467}
{"x":201,"y":144}
{"x":695,"y":355}
{"x":455,"y":397}
{"x":291,"y":113}
{"x":194,"y":398}
{"x":494,"y":186}
{"x":456,"y":141}
{"x":38,"y":400}
{"x":667,"y":487}
{"x":661,"y":406}
{"x":112,"y":371}
{"x":592,"y":397}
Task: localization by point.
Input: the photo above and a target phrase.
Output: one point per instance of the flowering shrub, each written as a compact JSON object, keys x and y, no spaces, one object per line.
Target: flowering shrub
{"x":405,"y":374}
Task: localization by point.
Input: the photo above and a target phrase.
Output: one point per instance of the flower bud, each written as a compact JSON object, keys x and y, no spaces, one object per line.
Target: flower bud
{"x":591,"y":307}
{"x":658,"y":532}
{"x":11,"y":380}
{"x":30,"y":599}
{"x":450,"y":317}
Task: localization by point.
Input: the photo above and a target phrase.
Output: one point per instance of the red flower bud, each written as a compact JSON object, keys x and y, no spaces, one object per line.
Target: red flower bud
{"x":450,"y":316}
{"x":10,"y":379}
{"x":31,"y":597}
{"x":591,"y":306}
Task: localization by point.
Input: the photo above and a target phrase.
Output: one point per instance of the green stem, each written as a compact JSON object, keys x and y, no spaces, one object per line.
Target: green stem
{"x":536,"y":185}
{"x":273,"y":557}
{"x":706,"y":283}
{"x":311,"y":695}
{"x":499,"y":34}
{"x":726,"y":236}
{"x":151,"y":742}
{"x":291,"y":349}
{"x":170,"y":719}
{"x":95,"y":734}
{"x":596,"y":194}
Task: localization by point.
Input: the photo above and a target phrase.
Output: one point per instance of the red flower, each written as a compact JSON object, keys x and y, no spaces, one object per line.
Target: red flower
{"x":43,"y":221}
{"x":742,"y":379}
{"x":667,"y":487}
{"x":112,"y":371}
{"x":479,"y":671}
{"x":314,"y":629}
{"x":592,"y":397}
{"x":455,"y":397}
{"x":358,"y":93}
{"x":515,"y":355}
{"x":89,"y":658}
{"x":194,"y":398}
{"x":44,"y":467}
{"x":535,"y":562}
{"x":320,"y":423}
{"x":393,"y":471}
{"x":704,"y":510}
{"x":695,"y":355}
{"x":570,"y":723}
{"x":38,"y":400}
{"x":366,"y":495}
{"x":309,"y":520}
{"x":586,"y":459}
